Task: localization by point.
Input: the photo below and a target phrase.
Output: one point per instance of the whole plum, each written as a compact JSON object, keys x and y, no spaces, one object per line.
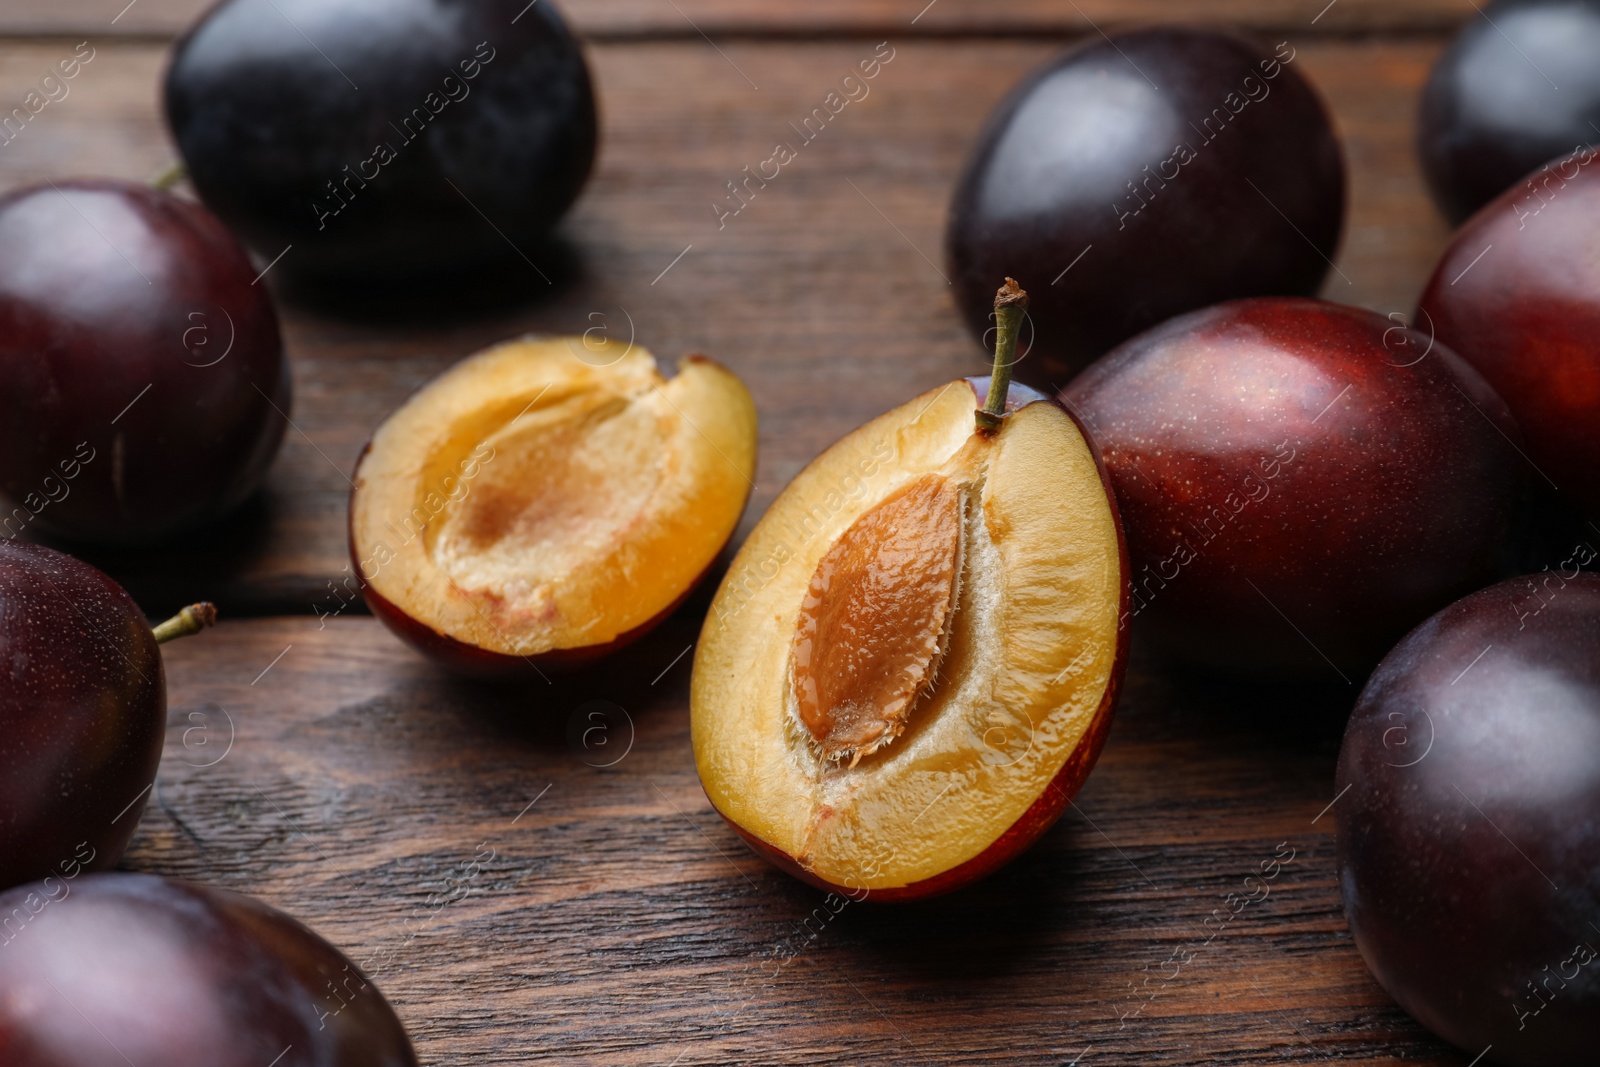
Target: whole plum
{"x":143,"y":385}
{"x":1141,"y":176}
{"x":1301,"y":482}
{"x":109,"y":970}
{"x":384,"y":139}
{"x":1469,"y":822}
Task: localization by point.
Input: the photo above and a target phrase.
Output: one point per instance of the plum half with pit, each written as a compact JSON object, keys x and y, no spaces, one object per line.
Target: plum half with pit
{"x":390,"y":139}
{"x":913,"y":662}
{"x":83,"y":704}
{"x":143,"y":385}
{"x":1469,"y":821}
{"x":1302,"y":482}
{"x":1141,"y":176}
{"x":107,"y":970}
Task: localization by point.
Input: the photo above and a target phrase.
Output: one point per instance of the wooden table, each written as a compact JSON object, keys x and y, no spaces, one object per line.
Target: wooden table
{"x":522,"y":895}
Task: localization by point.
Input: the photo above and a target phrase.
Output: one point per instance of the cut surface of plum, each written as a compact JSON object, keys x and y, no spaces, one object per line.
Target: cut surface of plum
{"x":543,"y":497}
{"x":911,"y":665}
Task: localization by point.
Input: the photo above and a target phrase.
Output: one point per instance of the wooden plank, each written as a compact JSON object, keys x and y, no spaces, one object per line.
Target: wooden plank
{"x":613,"y":918}
{"x":690,"y":19}
{"x":825,"y":292}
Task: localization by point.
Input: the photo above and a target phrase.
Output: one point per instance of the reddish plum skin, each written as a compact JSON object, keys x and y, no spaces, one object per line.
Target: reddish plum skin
{"x":107,"y":288}
{"x":82,"y":715}
{"x":109,"y":969}
{"x":1527,"y":316}
{"x":1059,"y":171}
{"x":1471,"y":766}
{"x":1299,"y":487}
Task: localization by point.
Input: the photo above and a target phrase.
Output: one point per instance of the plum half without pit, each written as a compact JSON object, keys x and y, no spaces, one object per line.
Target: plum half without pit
{"x":549,"y":500}
{"x":912,"y":664}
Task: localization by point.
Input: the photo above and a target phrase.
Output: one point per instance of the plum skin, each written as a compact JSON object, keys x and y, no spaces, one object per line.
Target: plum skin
{"x":1159,"y":234}
{"x":105,"y":966}
{"x":1526,"y":314}
{"x":139,"y":396}
{"x":1281,"y":457}
{"x":413,"y":139}
{"x":1468,"y":838}
{"x":82,"y":711}
{"x":1491,"y":111}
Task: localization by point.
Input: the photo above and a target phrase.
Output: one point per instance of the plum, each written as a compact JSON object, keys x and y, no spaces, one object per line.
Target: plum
{"x":1142,"y":176}
{"x":83,"y":705}
{"x":1469,"y":821}
{"x":143,"y":385}
{"x":1517,"y":87}
{"x":387,"y":139}
{"x":105,"y":970}
{"x":1302,"y":482}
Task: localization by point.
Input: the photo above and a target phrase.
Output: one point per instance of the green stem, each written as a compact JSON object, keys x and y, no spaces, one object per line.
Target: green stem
{"x":1010,"y":303}
{"x":170,"y":177}
{"x":191,"y":620}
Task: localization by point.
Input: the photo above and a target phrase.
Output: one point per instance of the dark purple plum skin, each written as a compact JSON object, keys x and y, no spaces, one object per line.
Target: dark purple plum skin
{"x":110,"y":969}
{"x":1469,"y":839}
{"x":125,"y":415}
{"x":1517,"y":87}
{"x":83,"y":707}
{"x":1517,"y":294}
{"x":1054,"y":171}
{"x":271,"y":100}
{"x":1301,"y":482}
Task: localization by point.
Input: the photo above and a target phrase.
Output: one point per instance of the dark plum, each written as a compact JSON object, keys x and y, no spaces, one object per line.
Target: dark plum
{"x":83,"y":708}
{"x":1517,"y":294}
{"x":384,"y":140}
{"x":1517,"y":87}
{"x":109,"y":970}
{"x":1301,"y":482}
{"x":1142,"y":176}
{"x":143,"y":386}
{"x":1469,"y":821}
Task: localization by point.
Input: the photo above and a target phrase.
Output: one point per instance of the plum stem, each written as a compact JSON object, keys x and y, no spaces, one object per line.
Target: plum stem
{"x":1010,"y":303}
{"x":191,"y":620}
{"x":169,"y":177}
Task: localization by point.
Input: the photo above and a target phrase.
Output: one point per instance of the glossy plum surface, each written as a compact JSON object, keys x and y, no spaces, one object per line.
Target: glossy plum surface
{"x":143,"y":386}
{"x":105,"y":970}
{"x":82,"y":715}
{"x":1517,"y":294}
{"x":1136,"y":178}
{"x":1300,"y":482}
{"x":1469,"y":835}
{"x":1517,"y":88}
{"x":391,"y":138}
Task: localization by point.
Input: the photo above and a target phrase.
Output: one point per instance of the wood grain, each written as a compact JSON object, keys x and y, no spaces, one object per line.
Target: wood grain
{"x":619,"y":921}
{"x":826,"y":292}
{"x":696,"y":19}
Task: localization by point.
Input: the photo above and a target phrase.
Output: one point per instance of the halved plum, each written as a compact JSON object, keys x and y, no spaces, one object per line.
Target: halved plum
{"x":912,"y":664}
{"x":549,"y":500}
